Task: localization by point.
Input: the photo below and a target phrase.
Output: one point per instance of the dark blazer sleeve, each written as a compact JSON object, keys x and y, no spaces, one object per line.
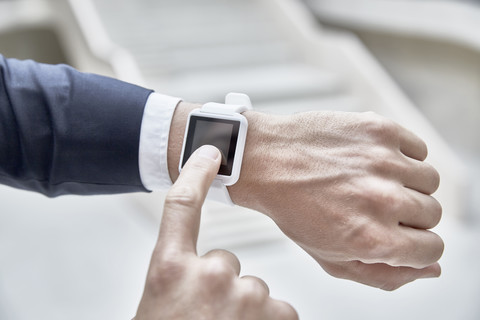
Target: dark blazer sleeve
{"x":67,"y":132}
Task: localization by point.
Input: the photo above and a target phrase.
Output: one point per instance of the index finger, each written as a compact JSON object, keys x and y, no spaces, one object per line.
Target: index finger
{"x":183,"y":204}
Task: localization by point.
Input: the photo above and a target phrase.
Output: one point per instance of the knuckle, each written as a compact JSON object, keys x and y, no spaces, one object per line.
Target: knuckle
{"x":216,"y":272}
{"x":435,"y":178}
{"x":255,"y":290}
{"x":391,"y":286}
{"x":181,"y":196}
{"x":220,"y":253}
{"x":436,"y":212}
{"x":379,"y":127}
{"x":431,"y":178}
{"x":438,"y":250}
{"x":253,"y":293}
{"x":370,"y":245}
{"x":287,"y":312}
{"x":335,"y":271}
{"x":166,"y":272}
{"x":397,"y":279}
{"x":385,"y":162}
{"x":380,"y":198}
{"x":227,"y":256}
{"x":369,"y":242}
{"x":423,"y":150}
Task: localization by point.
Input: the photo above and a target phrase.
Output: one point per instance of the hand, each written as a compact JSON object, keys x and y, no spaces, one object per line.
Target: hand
{"x":351,"y":189}
{"x":182,"y":285}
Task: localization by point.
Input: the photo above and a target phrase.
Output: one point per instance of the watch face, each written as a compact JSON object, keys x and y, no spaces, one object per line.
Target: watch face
{"x":221,"y":133}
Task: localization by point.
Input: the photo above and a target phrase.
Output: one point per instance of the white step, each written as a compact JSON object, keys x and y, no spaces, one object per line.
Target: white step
{"x":262,"y":83}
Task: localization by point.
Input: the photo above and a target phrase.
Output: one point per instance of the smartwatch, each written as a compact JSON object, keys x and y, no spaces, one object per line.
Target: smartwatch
{"x":223,"y":126}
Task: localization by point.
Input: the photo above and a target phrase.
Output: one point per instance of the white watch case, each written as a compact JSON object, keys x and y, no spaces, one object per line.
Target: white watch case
{"x":224,"y":122}
{"x":232,"y":150}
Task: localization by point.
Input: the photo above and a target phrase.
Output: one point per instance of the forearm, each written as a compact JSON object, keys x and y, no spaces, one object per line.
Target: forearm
{"x":67,"y":132}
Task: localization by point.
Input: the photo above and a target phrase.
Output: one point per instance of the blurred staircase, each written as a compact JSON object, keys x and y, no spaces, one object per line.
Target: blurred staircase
{"x":275,"y":51}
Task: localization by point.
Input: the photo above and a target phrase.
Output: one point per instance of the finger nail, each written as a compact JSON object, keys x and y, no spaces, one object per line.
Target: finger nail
{"x":209,"y":152}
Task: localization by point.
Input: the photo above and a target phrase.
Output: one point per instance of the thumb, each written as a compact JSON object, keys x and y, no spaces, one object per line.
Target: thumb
{"x":183,"y":204}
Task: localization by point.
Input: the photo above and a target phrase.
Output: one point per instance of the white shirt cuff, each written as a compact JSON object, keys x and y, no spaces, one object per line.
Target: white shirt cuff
{"x":152,"y":158}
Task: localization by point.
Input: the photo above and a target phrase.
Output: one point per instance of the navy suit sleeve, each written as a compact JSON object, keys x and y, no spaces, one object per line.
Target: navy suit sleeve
{"x":67,"y":132}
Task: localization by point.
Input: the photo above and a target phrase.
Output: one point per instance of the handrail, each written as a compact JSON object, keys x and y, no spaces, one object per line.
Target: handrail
{"x":452,"y":21}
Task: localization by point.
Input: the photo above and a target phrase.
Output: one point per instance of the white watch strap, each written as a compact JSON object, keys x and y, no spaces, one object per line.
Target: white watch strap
{"x":234,"y":103}
{"x":219,"y":192}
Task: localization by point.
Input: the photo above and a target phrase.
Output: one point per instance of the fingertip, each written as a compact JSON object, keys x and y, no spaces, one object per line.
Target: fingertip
{"x":207,"y":158}
{"x":204,"y":162}
{"x":209,"y":152}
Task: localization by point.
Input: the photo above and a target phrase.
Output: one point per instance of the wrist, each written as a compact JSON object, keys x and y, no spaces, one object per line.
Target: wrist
{"x":175,"y":139}
{"x":251,"y":187}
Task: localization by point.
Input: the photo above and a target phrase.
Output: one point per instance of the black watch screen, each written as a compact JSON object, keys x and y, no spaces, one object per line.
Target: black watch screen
{"x":221,"y":133}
